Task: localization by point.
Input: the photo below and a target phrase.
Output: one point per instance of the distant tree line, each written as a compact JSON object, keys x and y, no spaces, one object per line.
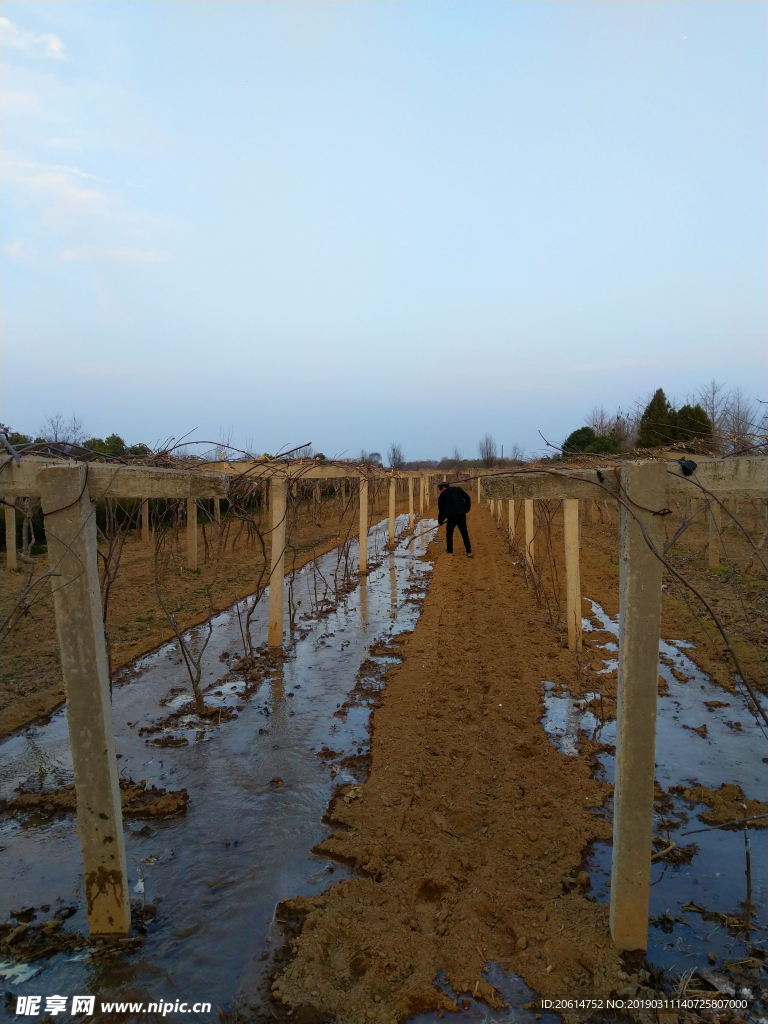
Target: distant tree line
{"x":70,"y":437}
{"x":715,"y":419}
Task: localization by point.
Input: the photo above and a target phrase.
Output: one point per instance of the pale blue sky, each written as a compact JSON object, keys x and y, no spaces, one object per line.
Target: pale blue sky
{"x":354,"y":223}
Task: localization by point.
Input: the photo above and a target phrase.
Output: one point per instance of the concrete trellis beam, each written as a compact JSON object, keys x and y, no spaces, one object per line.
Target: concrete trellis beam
{"x":116,"y":481}
{"x":411,"y":518}
{"x":511,"y":520}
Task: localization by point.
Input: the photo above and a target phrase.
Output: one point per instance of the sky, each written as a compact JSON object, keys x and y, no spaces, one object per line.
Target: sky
{"x":359,"y":223}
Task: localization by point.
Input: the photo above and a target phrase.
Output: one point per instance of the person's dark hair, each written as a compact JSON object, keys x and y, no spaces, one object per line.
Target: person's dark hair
{"x":442,"y":485}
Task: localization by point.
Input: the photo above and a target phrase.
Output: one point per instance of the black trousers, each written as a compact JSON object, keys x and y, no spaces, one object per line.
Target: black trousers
{"x":450,"y":525}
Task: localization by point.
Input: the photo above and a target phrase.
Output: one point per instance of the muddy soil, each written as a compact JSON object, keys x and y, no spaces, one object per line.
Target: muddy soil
{"x":32,"y":686}
{"x":137,"y":801}
{"x":469,"y":838}
{"x":469,"y":835}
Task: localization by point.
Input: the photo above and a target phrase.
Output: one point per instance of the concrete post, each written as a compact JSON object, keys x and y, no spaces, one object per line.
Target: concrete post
{"x":511,"y":517}
{"x":572,"y":572}
{"x":145,"y":528}
{"x":279,"y":492}
{"x":217,"y":509}
{"x":593,"y":511}
{"x":70,"y":527}
{"x":530,"y":554}
{"x":427,"y":496}
{"x":10,"y":537}
{"x":714,"y":534}
{"x":411,"y":519}
{"x":478,"y":490}
{"x":363,"y":542}
{"x":392,"y":483}
{"x":421,"y":496}
{"x":640,"y":575}
{"x":191,"y":533}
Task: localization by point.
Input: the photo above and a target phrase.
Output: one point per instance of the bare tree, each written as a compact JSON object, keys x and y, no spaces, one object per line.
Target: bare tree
{"x":741,"y":414}
{"x":601,"y":422}
{"x":457,"y":455}
{"x":57,"y":430}
{"x":516,"y":453}
{"x":714,"y":400}
{"x":488,"y":450}
{"x":395,"y":456}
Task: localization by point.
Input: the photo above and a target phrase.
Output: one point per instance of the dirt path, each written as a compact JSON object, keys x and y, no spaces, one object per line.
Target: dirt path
{"x":469,"y":834}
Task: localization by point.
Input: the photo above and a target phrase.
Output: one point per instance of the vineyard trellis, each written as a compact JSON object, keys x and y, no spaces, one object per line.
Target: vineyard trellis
{"x":67,"y":491}
{"x":169,"y":500}
{"x":642,"y":491}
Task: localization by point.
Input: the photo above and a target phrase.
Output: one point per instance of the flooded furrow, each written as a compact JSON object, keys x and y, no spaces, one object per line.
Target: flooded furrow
{"x":259,"y":777}
{"x":706,"y":738}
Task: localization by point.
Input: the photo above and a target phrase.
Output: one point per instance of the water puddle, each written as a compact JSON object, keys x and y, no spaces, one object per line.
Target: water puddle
{"x":259,"y":780}
{"x":512,"y":990}
{"x":707,"y":868}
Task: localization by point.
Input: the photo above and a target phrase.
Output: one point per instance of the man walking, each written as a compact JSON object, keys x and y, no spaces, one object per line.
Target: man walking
{"x":452,"y":507}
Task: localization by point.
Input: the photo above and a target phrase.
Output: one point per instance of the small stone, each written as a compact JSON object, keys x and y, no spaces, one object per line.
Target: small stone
{"x":582,"y":878}
{"x":712,"y":957}
{"x":521,"y":944}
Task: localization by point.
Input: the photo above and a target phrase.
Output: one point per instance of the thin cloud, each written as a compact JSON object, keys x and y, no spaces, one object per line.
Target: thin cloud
{"x":134,"y":257}
{"x":20,"y":251}
{"x":45,"y":45}
{"x":61,"y":190}
{"x":17,"y":104}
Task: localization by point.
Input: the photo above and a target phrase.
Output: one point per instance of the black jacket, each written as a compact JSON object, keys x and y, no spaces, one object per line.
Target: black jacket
{"x":452,"y":502}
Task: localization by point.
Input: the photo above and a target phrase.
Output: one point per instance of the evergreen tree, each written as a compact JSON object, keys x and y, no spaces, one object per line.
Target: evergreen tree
{"x":604,"y":444}
{"x":112,"y":445}
{"x":587,"y":441}
{"x":579,"y":441}
{"x":656,"y":430}
{"x":691,"y":423}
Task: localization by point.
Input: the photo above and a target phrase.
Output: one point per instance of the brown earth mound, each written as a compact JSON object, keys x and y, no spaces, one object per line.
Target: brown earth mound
{"x":137,"y":801}
{"x":726,"y":803}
